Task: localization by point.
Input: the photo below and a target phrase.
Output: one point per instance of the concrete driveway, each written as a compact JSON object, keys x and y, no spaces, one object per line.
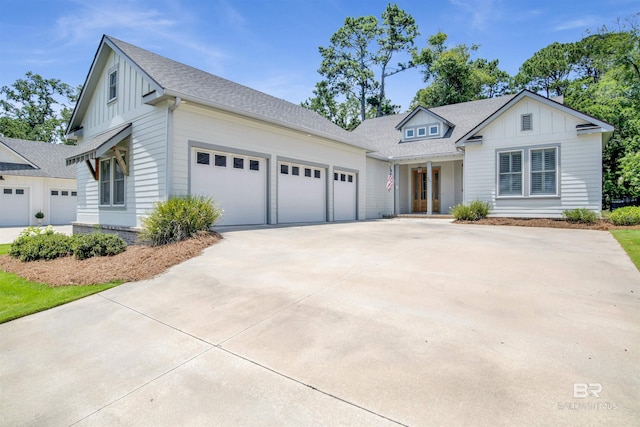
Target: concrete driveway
{"x":406,"y":321}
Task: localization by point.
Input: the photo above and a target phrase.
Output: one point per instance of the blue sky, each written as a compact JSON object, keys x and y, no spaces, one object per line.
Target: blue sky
{"x":272,"y":45}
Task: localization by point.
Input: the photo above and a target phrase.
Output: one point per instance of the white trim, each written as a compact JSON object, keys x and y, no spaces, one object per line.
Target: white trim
{"x":113,"y":71}
{"x":437,"y":132}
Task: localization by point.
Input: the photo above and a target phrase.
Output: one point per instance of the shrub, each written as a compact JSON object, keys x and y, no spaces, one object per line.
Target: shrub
{"x":580,"y":215}
{"x":474,"y":211}
{"x":179,"y":218}
{"x":628,"y":215}
{"x":86,"y":246}
{"x":31,"y":247}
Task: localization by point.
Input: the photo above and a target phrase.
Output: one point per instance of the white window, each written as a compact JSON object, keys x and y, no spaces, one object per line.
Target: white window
{"x":510,"y":173}
{"x":543,"y":172}
{"x":422,"y":131}
{"x":113,"y":85}
{"x":526,"y":122}
{"x":434,"y":130}
{"x":111,"y":183}
{"x":409,"y":133}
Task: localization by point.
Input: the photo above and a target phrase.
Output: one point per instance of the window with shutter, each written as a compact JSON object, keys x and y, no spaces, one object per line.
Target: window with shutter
{"x":510,"y":173}
{"x":543,"y":172}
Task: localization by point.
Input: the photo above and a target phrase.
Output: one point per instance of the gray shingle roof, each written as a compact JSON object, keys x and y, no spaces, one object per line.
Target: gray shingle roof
{"x":97,"y":145}
{"x":49,"y":159}
{"x":200,"y":86}
{"x":381,"y":136}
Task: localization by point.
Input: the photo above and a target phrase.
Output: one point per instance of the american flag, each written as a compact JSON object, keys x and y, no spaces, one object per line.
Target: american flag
{"x":390,"y":179}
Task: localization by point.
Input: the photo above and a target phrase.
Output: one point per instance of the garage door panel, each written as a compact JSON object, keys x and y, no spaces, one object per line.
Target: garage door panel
{"x":237,"y":185}
{"x":302,"y":197}
{"x":62,"y":206}
{"x":344,"y":196}
{"x":14,"y":206}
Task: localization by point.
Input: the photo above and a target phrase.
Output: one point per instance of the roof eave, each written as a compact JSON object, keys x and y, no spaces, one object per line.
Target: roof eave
{"x":170,"y":94}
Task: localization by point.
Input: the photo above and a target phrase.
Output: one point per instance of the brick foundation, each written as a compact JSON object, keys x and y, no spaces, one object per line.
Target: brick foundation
{"x":128,"y":234}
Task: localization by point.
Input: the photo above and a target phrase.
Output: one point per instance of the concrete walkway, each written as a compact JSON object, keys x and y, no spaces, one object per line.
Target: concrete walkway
{"x":9,"y":234}
{"x":404,"y":321}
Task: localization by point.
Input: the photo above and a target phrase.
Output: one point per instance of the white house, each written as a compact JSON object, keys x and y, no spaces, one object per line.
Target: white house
{"x":33,"y":177}
{"x":149,"y":128}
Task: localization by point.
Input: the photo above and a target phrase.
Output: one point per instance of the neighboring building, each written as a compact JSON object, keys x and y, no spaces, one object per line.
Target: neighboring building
{"x":149,"y":128}
{"x":33,"y":177}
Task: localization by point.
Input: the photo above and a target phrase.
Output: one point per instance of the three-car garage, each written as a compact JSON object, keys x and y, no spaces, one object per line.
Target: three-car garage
{"x":243,"y":184}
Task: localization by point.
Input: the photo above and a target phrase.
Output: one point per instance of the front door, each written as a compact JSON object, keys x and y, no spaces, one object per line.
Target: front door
{"x":419,"y":190}
{"x":419,"y":193}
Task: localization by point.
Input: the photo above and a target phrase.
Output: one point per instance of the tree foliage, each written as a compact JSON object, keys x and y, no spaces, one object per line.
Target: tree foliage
{"x":35,"y":108}
{"x":357,"y":62}
{"x":453,"y":76}
{"x":548,"y":69}
{"x":606,"y":85}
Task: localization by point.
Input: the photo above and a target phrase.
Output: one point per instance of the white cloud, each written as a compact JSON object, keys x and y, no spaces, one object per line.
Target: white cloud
{"x":582,"y":23}
{"x":482,"y":11}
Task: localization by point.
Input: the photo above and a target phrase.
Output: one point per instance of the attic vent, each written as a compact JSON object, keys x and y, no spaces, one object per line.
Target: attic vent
{"x":527,"y":122}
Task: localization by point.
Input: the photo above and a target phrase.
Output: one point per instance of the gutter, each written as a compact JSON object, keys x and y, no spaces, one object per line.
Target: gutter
{"x":169,"y":155}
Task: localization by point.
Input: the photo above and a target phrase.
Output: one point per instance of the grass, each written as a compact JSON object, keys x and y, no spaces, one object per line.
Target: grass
{"x":20,"y":297}
{"x":630,"y":242}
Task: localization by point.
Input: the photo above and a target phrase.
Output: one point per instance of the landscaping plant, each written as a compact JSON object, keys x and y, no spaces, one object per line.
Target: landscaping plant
{"x":580,"y":215}
{"x":179,"y":218}
{"x":36,"y":243}
{"x":628,"y":215}
{"x":474,"y":211}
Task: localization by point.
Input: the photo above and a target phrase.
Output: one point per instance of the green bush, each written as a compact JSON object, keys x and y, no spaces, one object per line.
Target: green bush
{"x":86,"y":246}
{"x":31,"y":247}
{"x":42,"y":243}
{"x":474,"y":211}
{"x":179,"y":218}
{"x":628,"y":215}
{"x":580,"y":215}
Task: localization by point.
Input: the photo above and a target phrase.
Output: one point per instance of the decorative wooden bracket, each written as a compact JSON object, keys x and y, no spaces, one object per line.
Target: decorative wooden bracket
{"x":123,"y":165}
{"x":95,"y":172}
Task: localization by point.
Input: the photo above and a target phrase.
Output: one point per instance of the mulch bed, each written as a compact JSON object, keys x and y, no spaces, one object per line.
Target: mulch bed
{"x":137,"y":262}
{"x":602,"y":225}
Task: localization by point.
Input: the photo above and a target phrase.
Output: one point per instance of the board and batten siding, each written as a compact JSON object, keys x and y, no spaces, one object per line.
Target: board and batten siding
{"x":208,"y":126}
{"x":147,"y":146}
{"x":379,"y":200}
{"x":579,"y":159}
{"x":132,"y":85}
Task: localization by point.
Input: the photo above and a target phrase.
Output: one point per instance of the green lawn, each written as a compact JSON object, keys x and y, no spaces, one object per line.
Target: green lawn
{"x":20,"y":297}
{"x":630,"y":242}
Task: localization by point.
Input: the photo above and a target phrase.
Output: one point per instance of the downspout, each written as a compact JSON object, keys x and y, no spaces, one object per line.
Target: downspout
{"x":169,"y":156}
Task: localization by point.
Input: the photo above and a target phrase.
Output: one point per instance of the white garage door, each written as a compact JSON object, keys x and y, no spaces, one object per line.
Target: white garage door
{"x":62,"y":206}
{"x":238,"y":184}
{"x":14,"y":206}
{"x":301,"y":193}
{"x":344,"y":196}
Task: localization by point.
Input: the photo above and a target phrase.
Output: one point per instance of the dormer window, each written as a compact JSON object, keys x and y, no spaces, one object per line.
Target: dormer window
{"x":422,"y":131}
{"x":409,"y":133}
{"x":434,"y":130}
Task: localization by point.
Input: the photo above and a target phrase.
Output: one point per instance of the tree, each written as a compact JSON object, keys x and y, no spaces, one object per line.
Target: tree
{"x":357,"y":61}
{"x":398,"y":32}
{"x":454,"y":77}
{"x":607,"y":86}
{"x":36,"y":109}
{"x":630,"y":173}
{"x":548,"y":69}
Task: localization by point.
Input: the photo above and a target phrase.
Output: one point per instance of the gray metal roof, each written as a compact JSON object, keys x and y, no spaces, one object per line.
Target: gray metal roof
{"x":192,"y":84}
{"x":380,"y":134}
{"x":48,"y":159}
{"x":99,"y":144}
